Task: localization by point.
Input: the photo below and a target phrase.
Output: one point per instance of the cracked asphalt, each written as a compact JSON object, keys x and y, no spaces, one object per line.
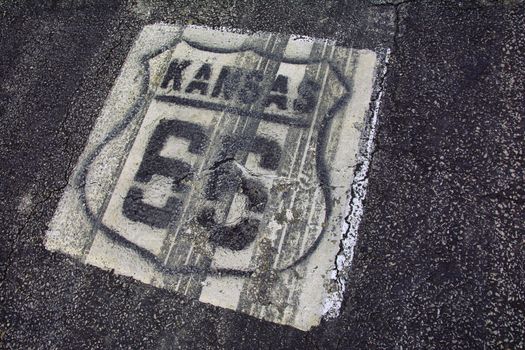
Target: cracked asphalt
{"x":440,"y":260}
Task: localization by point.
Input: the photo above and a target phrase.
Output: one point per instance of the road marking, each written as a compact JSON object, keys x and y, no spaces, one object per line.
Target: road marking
{"x":221,"y":168}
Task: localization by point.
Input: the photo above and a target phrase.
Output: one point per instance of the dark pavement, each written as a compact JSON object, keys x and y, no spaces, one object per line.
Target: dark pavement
{"x":440,"y":261}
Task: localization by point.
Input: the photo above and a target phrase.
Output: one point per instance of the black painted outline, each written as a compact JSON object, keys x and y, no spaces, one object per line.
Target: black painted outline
{"x":270,"y":117}
{"x":321,"y":168}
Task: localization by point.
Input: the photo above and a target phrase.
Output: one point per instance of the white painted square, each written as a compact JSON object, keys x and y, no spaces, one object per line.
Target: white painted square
{"x":221,"y":168}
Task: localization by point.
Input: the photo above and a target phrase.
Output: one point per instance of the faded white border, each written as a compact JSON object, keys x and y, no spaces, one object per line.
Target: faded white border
{"x":333,"y":302}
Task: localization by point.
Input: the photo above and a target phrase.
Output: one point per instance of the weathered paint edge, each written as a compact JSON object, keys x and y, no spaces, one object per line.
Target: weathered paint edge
{"x":343,"y":262}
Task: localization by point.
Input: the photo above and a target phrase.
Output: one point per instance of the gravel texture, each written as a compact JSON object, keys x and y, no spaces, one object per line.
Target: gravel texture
{"x":440,"y":261}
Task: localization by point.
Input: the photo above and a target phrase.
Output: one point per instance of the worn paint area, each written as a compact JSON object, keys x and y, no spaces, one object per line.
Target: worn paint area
{"x":221,"y":168}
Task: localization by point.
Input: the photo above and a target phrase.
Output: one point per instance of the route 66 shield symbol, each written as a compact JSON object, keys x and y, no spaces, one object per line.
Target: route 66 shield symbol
{"x":221,"y":168}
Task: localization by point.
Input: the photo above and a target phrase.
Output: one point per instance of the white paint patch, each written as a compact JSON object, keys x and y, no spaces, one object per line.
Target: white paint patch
{"x":25,"y":204}
{"x":220,"y":168}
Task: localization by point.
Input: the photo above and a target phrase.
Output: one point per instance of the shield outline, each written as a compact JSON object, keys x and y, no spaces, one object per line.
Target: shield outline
{"x":140,"y":104}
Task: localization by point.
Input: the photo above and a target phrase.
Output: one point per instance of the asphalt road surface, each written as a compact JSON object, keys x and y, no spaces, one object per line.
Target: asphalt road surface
{"x":440,"y":259}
